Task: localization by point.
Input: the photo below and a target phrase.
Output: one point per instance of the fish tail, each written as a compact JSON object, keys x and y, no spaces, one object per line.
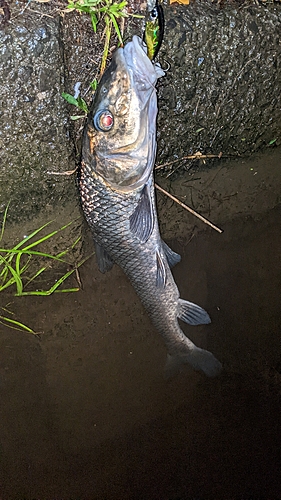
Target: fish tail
{"x":199,"y":359}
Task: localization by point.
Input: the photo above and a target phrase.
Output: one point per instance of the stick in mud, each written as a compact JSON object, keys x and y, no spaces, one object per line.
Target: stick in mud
{"x":206,"y":221}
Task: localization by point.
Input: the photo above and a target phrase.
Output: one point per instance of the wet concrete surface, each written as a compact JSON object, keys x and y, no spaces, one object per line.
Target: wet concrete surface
{"x":221,"y":92}
{"x":86,"y":412}
{"x":34,"y":135}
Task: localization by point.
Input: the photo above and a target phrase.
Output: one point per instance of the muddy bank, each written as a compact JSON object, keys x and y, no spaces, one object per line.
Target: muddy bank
{"x":86,"y":412}
{"x":243,"y":187}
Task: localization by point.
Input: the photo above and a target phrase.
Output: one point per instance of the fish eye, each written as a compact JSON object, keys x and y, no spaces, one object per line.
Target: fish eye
{"x":103,"y":120}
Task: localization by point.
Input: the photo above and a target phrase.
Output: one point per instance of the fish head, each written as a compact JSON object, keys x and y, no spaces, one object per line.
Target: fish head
{"x":119,"y":141}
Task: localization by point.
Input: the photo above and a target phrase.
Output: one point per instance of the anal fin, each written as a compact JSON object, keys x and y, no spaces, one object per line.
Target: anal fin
{"x":192,"y":313}
{"x":173,"y":258}
{"x":103,"y":259}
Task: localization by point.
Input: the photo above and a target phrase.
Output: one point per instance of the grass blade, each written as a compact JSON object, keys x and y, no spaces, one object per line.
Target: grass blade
{"x":35,"y":275}
{"x":108,"y":24}
{"x":4,"y":221}
{"x":27,"y":238}
{"x":16,"y":277}
{"x":69,"y":98}
{"x":16,"y":325}
{"x":53,"y":288}
{"x":115,"y":24}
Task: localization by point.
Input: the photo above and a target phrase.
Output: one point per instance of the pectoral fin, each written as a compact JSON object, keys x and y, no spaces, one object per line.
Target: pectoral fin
{"x":103,"y":259}
{"x":172,"y":257}
{"x":142,"y":220}
{"x":192,"y":314}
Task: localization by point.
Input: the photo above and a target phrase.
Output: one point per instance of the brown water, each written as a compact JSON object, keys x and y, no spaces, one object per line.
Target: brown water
{"x":87,"y":414}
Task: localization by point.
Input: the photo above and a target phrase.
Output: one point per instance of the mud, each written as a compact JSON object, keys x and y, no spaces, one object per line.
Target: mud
{"x":241,"y":187}
{"x":85,"y":410}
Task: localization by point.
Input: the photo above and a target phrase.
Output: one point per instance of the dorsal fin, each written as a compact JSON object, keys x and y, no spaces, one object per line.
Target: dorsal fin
{"x":142,"y":220}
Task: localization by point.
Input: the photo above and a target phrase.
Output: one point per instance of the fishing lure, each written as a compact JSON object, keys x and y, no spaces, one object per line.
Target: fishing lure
{"x":154,"y":30}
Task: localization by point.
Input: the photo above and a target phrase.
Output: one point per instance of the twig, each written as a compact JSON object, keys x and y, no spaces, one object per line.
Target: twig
{"x":188,"y":208}
{"x":40,"y":13}
{"x":197,"y":156}
{"x":78,"y":278}
{"x":68,"y":172}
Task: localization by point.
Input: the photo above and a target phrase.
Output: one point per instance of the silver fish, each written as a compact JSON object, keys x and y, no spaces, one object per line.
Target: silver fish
{"x":117,"y":193}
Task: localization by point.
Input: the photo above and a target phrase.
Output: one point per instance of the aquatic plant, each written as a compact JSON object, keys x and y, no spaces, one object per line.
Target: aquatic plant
{"x":16,"y":262}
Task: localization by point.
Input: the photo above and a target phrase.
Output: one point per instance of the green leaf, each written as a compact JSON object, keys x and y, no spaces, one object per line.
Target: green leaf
{"x":40,"y":271}
{"x":114,"y":22}
{"x":94,"y":21}
{"x":70,"y":99}
{"x":83,"y":8}
{"x":76,"y":117}
{"x":53,"y":288}
{"x":272,"y":141}
{"x":16,"y":325}
{"x":94,"y":84}
{"x":120,"y":5}
{"x":82,"y":104}
{"x":16,"y":277}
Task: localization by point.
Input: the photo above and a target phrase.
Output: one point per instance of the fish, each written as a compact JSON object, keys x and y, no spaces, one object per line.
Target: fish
{"x":117,"y":194}
{"x":154,"y":30}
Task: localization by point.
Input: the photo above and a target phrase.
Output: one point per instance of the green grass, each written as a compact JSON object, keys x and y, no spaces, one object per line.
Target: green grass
{"x":16,"y":262}
{"x":107,"y":14}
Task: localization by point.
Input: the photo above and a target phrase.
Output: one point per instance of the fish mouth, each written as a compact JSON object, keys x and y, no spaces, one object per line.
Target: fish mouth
{"x":134,"y":59}
{"x":135,"y":54}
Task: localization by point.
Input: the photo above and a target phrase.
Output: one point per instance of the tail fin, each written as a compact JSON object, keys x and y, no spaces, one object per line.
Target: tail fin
{"x":199,"y":359}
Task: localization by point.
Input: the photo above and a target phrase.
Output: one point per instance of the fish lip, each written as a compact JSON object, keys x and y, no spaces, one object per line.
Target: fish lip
{"x":133,"y":60}
{"x":135,"y":55}
{"x":135,"y":51}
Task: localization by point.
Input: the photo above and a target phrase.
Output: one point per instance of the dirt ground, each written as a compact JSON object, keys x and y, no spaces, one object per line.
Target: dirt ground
{"x":86,"y":412}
